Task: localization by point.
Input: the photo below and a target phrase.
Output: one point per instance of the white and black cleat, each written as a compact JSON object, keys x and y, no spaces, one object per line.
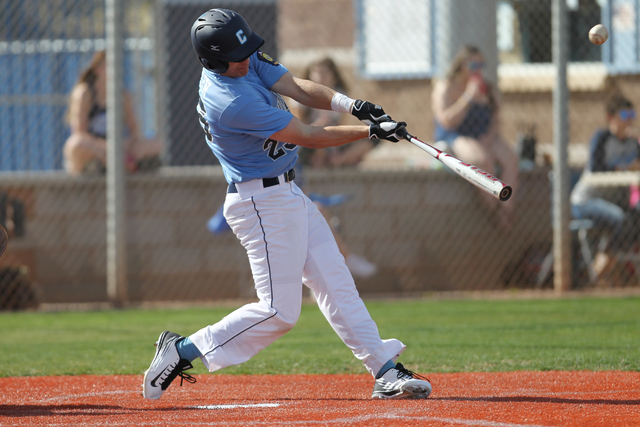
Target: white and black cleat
{"x":165,"y":367}
{"x":401,"y":383}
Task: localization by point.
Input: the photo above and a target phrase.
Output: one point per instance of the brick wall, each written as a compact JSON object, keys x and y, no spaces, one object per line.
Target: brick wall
{"x":329,"y":29}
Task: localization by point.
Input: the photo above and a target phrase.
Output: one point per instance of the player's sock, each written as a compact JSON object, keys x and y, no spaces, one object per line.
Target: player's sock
{"x":188,"y":350}
{"x":381,"y":372}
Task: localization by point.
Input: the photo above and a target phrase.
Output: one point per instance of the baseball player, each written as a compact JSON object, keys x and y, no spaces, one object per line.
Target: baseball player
{"x":251,"y":131}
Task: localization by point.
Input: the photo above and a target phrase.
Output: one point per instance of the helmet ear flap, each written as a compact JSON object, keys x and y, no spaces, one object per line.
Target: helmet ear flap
{"x":219,"y":67}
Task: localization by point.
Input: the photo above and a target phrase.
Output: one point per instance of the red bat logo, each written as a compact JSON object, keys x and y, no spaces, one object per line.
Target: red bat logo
{"x":480,"y":171}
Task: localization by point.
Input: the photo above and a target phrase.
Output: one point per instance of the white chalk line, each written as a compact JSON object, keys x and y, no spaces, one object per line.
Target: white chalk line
{"x":252,"y":405}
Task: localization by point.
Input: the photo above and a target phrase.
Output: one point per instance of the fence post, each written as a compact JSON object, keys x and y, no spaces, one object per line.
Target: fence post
{"x":116,"y":221}
{"x":561,"y":235}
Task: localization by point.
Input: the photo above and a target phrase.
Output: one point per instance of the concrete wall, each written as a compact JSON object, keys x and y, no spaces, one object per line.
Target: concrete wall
{"x":424,"y":229}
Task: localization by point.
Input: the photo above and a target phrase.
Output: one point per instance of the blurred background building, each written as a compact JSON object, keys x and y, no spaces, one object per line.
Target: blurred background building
{"x":420,"y":224}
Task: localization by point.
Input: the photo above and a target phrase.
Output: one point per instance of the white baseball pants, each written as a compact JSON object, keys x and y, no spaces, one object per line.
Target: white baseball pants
{"x":289,"y":243}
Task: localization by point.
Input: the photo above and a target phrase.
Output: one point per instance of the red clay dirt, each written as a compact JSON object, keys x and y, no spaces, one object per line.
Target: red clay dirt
{"x":511,"y":399}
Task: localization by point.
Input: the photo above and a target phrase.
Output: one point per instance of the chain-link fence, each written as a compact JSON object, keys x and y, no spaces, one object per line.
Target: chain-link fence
{"x":405,"y":222}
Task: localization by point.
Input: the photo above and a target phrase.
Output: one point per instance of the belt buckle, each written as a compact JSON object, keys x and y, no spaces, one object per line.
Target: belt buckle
{"x":290,"y":175}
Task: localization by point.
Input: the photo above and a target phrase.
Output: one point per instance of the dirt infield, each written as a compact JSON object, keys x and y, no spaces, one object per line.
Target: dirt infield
{"x":513,"y":399}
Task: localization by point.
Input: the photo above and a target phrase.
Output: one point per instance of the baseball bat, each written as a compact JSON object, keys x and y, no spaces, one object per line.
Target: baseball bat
{"x":471,"y":173}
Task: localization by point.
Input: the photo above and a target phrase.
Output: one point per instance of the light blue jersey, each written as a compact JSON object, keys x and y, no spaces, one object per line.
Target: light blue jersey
{"x":239,"y":115}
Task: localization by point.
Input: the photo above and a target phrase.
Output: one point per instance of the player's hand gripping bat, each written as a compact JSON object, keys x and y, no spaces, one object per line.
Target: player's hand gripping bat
{"x":4,"y":239}
{"x":471,"y":173}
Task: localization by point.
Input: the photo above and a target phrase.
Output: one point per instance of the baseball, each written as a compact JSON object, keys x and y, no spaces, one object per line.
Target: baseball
{"x":598,"y":34}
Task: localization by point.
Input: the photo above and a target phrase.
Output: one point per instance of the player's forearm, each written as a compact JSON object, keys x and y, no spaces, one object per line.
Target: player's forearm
{"x":303,"y":135}
{"x":314,"y":95}
{"x":305,"y":92}
{"x":320,"y":136}
{"x":333,"y":136}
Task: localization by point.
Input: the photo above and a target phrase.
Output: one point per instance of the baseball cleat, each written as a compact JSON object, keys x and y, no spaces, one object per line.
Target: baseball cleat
{"x":401,"y":383}
{"x":165,"y":367}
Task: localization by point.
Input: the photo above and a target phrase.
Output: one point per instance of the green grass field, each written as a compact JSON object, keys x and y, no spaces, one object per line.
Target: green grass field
{"x":441,"y":335}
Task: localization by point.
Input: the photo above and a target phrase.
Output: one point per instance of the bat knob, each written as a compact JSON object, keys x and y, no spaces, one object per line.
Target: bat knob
{"x":403,"y":133}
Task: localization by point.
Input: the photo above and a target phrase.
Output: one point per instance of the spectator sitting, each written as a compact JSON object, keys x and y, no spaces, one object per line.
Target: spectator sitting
{"x":466,"y":110}
{"x":614,"y":148}
{"x":85,"y":151}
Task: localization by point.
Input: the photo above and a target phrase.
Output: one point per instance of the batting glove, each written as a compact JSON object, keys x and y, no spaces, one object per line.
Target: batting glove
{"x":369,"y":113}
{"x":391,"y":131}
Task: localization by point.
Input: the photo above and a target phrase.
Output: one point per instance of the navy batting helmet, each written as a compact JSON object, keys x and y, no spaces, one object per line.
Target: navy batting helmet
{"x":221,"y":36}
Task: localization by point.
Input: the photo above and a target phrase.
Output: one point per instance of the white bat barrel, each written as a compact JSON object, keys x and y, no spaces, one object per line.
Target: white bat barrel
{"x":471,"y":173}
{"x":478,"y":177}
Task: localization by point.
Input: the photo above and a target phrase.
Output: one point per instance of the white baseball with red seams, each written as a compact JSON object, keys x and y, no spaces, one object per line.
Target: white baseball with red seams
{"x":598,"y":34}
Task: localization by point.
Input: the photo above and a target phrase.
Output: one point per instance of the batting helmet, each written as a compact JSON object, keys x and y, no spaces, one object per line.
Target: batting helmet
{"x":221,"y":36}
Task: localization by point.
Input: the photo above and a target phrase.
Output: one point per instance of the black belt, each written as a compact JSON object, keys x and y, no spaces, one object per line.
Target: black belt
{"x":289,"y":176}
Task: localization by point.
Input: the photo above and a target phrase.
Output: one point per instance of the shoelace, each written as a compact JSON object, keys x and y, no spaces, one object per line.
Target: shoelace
{"x":402,"y":372}
{"x":186,"y":377}
{"x":179,"y":371}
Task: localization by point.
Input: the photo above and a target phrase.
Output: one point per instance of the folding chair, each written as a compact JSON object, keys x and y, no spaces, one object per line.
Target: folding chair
{"x":581,"y":227}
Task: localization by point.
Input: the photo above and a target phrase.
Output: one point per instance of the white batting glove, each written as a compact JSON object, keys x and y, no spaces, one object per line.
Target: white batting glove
{"x":391,"y":131}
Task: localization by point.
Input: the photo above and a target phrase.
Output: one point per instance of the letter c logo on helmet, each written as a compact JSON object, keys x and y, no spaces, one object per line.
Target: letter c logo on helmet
{"x":241,"y":37}
{"x":232,"y":37}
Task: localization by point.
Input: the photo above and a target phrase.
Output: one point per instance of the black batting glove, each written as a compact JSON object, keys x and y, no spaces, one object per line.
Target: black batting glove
{"x":369,"y":113}
{"x":391,"y":131}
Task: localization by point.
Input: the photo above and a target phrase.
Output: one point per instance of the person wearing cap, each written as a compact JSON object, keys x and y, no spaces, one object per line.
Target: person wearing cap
{"x":250,"y":129}
{"x":613,"y":148}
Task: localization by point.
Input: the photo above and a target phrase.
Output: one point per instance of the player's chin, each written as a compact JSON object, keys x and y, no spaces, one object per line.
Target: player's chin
{"x":238,"y":72}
